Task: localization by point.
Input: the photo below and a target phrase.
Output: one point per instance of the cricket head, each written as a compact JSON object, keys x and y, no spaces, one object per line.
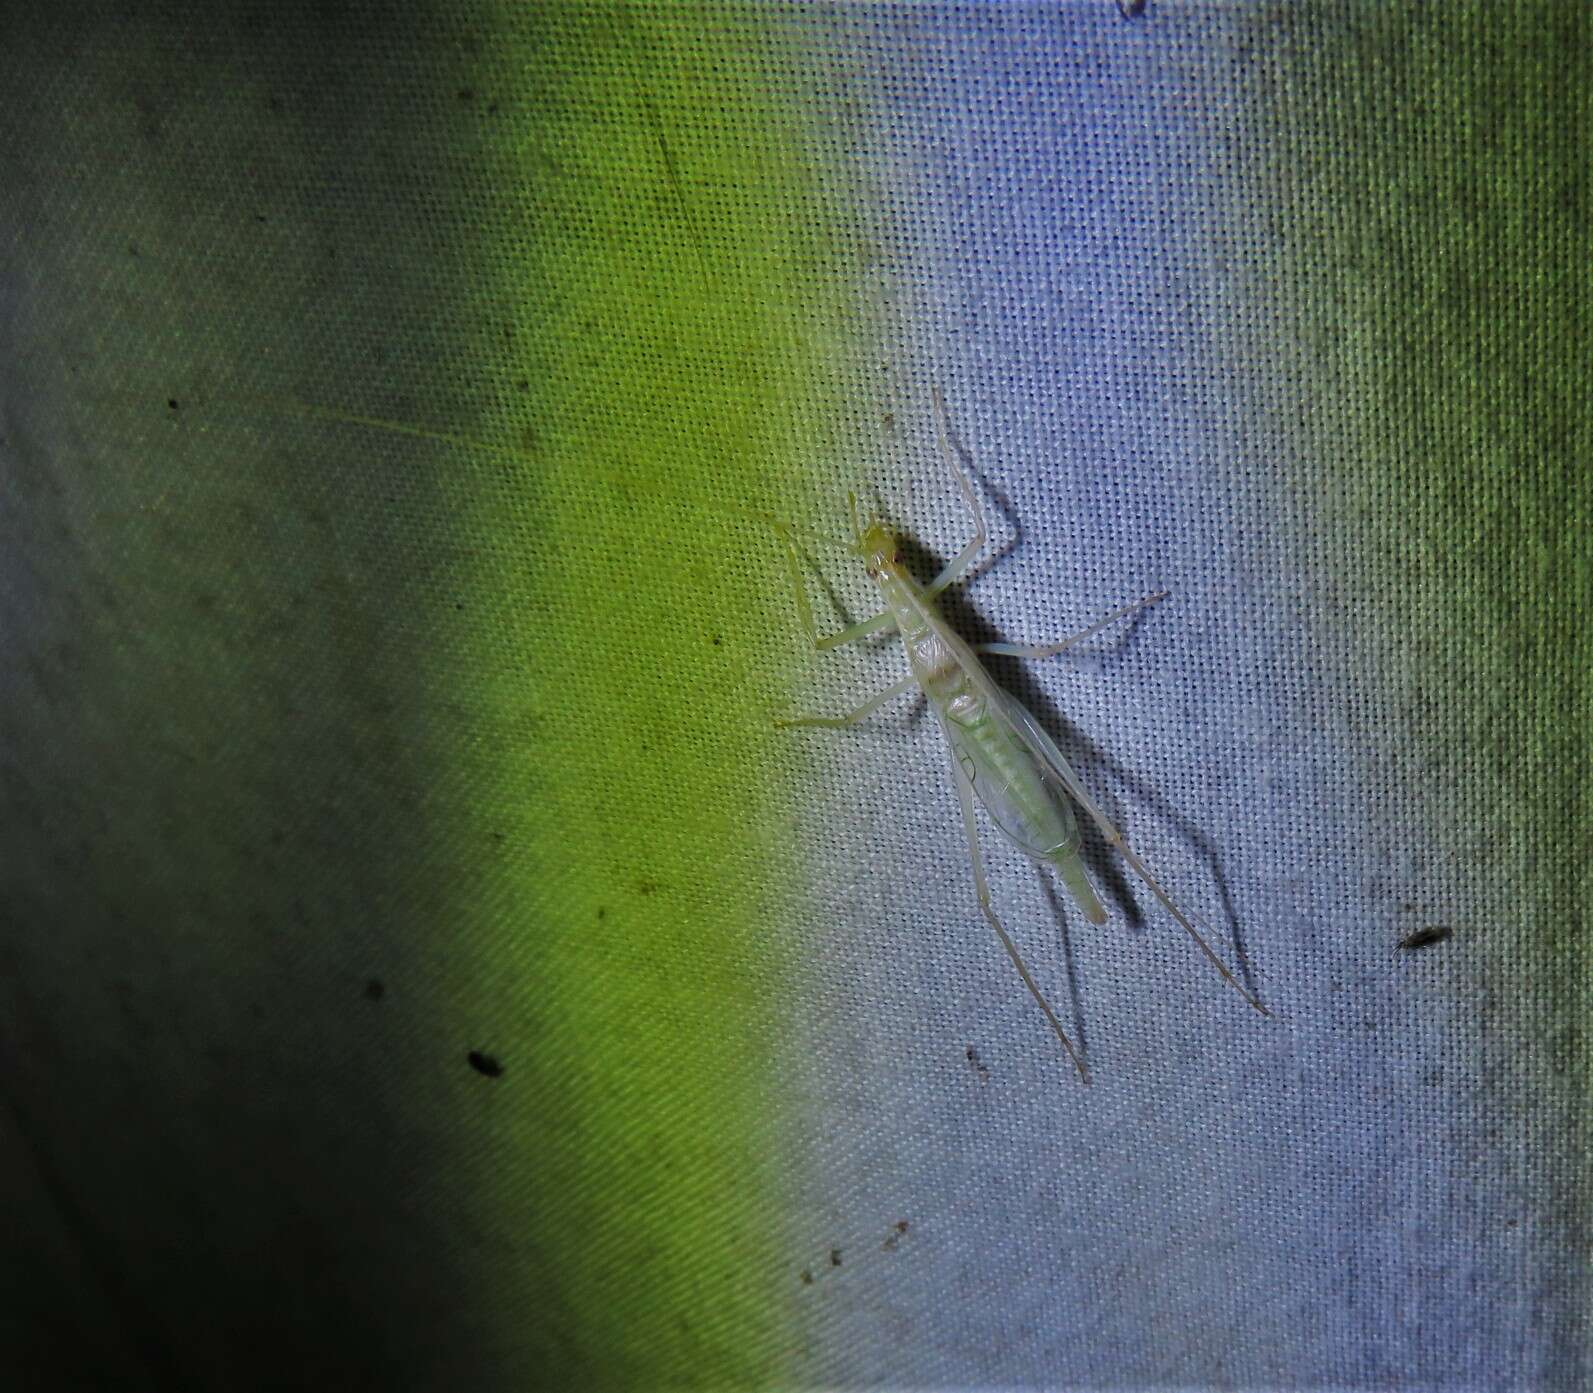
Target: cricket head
{"x":879,"y":549}
{"x":876,"y":544}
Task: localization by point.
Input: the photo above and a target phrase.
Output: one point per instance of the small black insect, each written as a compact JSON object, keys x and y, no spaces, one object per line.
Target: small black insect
{"x":1425,"y":938}
{"x":484,"y":1064}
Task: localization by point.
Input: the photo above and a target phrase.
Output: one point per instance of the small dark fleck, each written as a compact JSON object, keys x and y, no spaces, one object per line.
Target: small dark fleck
{"x":492,"y":108}
{"x":894,"y":1237}
{"x":647,"y":887}
{"x":467,"y":94}
{"x":1425,"y":938}
{"x":524,"y":384}
{"x":807,"y":1278}
{"x":459,"y":604}
{"x":484,"y":1064}
{"x":901,"y":1226}
{"x":259,"y":217}
{"x":835,"y":1257}
{"x":375,"y":990}
{"x":717,"y":640}
{"x":1131,"y":9}
{"x":172,"y":402}
{"x":602,"y":911}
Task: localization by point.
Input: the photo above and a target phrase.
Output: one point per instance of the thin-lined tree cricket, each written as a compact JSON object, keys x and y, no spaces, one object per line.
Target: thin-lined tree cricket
{"x":1001,"y":757}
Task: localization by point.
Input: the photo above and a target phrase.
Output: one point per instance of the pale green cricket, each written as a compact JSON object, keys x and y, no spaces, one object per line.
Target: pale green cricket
{"x":1000,"y":755}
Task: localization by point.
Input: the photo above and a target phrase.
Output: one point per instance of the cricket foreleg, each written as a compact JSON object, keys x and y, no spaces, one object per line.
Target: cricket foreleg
{"x":879,"y":623}
{"x":863,"y":712}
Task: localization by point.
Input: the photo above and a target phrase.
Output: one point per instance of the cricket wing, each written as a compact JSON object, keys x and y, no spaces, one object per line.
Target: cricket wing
{"x":1061,"y":772}
{"x":1014,"y":781}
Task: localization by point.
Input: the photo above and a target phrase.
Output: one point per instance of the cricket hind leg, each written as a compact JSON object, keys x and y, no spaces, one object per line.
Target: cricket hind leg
{"x":970,"y":826}
{"x":1140,"y":869}
{"x":1046,"y":746}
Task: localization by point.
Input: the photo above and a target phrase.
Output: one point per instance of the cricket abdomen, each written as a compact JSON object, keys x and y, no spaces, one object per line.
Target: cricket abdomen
{"x":1028,"y":805}
{"x":1007,"y":780}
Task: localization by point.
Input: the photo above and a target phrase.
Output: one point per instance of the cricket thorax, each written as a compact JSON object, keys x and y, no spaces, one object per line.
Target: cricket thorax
{"x":935,"y":665}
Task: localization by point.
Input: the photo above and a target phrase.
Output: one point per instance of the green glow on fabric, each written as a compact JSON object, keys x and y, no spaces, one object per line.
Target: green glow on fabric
{"x":682,"y":283}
